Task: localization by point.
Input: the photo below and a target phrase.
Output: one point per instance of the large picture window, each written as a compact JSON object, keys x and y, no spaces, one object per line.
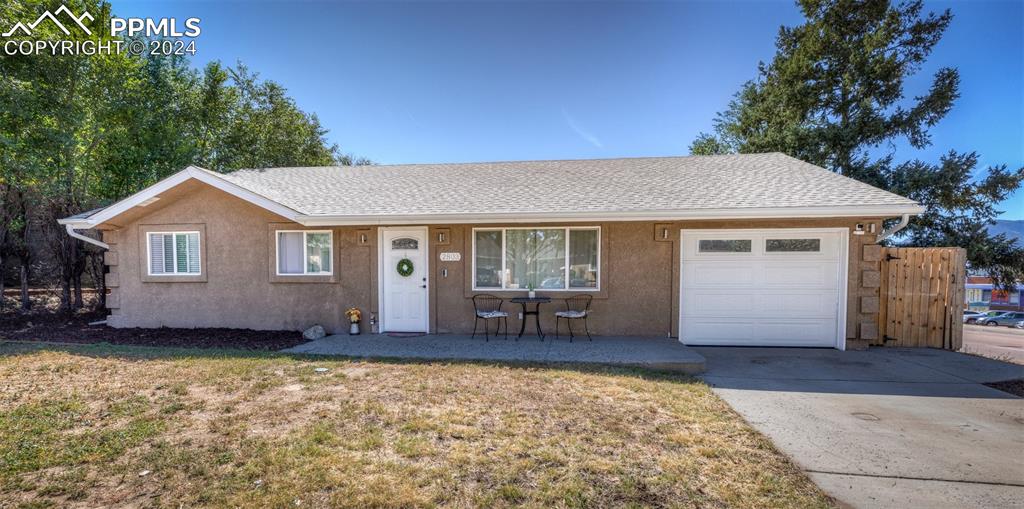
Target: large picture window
{"x":560,"y":258}
{"x":304,"y":253}
{"x":173,"y":253}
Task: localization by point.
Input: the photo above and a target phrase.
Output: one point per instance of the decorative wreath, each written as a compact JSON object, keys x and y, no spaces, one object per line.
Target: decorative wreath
{"x":404,"y":267}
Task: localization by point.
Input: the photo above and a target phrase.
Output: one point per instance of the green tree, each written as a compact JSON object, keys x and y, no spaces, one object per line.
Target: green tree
{"x":834,"y":95}
{"x":49,"y":129}
{"x":267,"y":129}
{"x":81,"y":131}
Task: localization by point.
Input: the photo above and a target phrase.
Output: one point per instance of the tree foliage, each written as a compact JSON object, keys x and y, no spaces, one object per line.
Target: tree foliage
{"x":80,"y":131}
{"x":834,"y":95}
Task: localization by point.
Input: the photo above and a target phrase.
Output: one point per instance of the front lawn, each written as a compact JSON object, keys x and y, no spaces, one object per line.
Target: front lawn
{"x":100,"y":425}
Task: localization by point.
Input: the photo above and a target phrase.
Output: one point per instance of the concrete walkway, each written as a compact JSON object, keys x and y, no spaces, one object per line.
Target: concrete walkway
{"x":655,"y":353}
{"x":886,"y":427}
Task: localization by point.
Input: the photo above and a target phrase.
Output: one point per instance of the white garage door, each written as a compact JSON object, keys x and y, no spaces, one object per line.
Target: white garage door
{"x":762,"y":287}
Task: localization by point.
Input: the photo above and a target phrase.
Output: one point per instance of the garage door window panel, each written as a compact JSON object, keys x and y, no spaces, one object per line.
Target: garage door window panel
{"x":724,"y":246}
{"x":792,"y":246}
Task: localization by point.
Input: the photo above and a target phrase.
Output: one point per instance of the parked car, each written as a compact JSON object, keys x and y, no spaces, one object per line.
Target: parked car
{"x":1020,"y":324}
{"x":973,"y":316}
{"x":1007,"y":318}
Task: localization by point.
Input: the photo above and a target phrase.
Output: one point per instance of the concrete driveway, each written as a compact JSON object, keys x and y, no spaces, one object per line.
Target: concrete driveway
{"x":885,"y":427}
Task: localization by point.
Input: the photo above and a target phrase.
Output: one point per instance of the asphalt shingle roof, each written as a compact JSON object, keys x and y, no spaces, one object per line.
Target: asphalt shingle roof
{"x":649,"y":184}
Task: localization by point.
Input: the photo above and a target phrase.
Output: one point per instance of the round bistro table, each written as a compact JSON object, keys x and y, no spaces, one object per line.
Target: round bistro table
{"x":525,"y":303}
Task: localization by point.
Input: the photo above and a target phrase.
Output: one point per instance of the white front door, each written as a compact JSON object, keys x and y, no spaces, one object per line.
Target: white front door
{"x":403,"y":290}
{"x":778,"y":287}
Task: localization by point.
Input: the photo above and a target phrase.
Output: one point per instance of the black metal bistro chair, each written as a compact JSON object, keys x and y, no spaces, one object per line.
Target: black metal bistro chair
{"x":577,"y":307}
{"x":488,"y":307}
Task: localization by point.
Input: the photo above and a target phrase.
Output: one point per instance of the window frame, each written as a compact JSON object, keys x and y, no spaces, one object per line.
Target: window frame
{"x":174,"y":234}
{"x":504,"y":265}
{"x":305,"y":253}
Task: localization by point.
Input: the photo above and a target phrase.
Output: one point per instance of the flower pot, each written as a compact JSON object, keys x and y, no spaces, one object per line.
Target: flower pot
{"x":353,"y":329}
{"x":531,"y":294}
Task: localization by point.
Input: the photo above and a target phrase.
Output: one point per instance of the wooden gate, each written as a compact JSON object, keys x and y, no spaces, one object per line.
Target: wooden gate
{"x":922,"y":297}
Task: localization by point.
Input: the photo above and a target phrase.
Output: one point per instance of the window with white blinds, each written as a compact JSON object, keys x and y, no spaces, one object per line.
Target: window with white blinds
{"x":173,"y":253}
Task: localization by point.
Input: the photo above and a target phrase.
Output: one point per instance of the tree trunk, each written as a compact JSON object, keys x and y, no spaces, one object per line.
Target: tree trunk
{"x":26,"y":303}
{"x":65,"y":293}
{"x":3,"y":299}
{"x":98,"y":272}
{"x":101,"y":295}
{"x":78,"y":290}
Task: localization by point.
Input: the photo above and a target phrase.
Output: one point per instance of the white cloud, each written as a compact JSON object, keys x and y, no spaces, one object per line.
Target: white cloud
{"x":580,"y":131}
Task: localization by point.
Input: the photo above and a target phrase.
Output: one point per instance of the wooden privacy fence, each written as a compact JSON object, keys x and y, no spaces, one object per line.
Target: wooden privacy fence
{"x":922,"y":297}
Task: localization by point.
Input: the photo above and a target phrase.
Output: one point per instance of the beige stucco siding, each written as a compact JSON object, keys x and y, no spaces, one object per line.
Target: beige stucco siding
{"x":639,"y":277}
{"x":238,"y":287}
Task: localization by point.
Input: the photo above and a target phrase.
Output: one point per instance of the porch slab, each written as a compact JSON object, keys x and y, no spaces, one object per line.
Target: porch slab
{"x":653,"y":353}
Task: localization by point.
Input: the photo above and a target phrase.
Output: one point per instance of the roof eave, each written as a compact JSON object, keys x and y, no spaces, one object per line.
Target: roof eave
{"x":611,"y":216}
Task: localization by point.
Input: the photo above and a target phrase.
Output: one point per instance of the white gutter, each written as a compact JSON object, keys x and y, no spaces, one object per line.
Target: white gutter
{"x":598,"y":216}
{"x":587,"y":216}
{"x":639,"y":215}
{"x":71,"y":231}
{"x":889,"y":232}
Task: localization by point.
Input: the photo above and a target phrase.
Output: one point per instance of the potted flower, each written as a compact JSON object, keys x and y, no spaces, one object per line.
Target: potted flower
{"x":354,"y":315}
{"x":530,"y":292}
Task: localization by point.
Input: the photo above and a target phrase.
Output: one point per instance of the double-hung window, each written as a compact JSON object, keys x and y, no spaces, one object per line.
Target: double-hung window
{"x":559,"y":258}
{"x":173,"y":253}
{"x":304,"y":253}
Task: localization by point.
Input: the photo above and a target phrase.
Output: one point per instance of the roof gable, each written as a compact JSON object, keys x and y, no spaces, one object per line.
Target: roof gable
{"x":145,"y":196}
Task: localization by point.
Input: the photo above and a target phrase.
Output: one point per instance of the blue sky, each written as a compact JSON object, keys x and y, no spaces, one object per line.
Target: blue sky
{"x":484,"y":81}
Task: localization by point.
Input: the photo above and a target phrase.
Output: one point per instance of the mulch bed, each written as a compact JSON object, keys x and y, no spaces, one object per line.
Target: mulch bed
{"x":48,"y":325}
{"x":1015,"y":387}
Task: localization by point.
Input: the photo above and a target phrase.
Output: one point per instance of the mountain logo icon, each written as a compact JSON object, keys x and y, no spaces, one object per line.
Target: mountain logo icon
{"x":63,"y":9}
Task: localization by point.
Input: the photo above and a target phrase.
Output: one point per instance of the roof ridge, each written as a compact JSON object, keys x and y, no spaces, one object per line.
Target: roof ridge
{"x":467,"y":163}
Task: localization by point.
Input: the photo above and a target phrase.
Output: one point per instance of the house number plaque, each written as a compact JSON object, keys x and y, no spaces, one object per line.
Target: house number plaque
{"x":451,"y":257}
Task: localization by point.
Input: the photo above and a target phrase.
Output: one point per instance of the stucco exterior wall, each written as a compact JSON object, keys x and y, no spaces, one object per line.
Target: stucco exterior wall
{"x":639,"y":281}
{"x":239,"y":287}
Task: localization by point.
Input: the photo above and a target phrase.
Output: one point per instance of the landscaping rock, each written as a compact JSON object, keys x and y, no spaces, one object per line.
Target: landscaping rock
{"x":314,"y":332}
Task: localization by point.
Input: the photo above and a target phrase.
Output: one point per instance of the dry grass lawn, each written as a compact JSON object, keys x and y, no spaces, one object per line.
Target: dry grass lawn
{"x":94,"y":426}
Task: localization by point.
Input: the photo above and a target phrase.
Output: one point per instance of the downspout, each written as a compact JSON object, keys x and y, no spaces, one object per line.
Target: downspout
{"x":889,"y":232}
{"x":71,"y":231}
